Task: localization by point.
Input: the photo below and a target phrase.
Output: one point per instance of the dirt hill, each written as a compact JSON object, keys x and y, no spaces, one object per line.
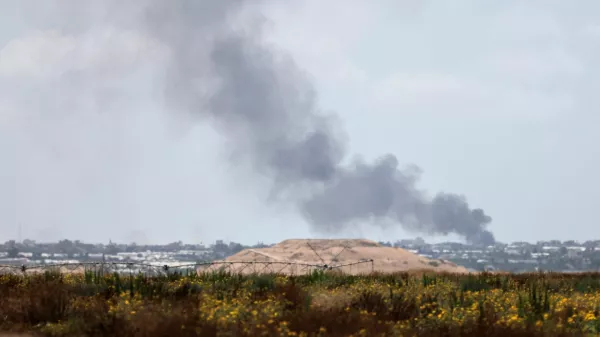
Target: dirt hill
{"x":307,"y":253}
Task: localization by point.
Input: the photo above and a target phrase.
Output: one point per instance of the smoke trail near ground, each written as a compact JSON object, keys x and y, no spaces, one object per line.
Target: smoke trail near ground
{"x":269,"y":111}
{"x":219,"y":69}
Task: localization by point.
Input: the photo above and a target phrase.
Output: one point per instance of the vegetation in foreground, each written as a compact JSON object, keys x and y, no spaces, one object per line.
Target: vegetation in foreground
{"x":320,"y":304}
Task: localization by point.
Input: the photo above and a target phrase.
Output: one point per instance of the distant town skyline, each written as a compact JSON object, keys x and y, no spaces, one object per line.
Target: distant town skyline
{"x":221,"y":241}
{"x":555,"y":255}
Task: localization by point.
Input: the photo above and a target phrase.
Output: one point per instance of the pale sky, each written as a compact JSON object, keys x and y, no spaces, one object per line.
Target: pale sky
{"x":495,"y":100}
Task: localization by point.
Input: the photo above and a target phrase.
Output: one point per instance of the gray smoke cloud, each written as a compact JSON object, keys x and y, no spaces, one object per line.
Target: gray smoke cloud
{"x":268,"y":109}
{"x":219,"y":69}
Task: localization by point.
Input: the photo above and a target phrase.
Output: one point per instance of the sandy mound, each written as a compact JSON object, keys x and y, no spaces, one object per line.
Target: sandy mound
{"x":352,"y":256}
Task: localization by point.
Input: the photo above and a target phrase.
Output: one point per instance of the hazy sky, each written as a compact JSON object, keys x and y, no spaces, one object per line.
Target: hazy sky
{"x":495,"y":100}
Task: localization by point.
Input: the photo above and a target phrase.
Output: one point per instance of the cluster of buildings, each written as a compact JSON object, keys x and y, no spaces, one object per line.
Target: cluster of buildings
{"x":567,"y":256}
{"x":31,"y":253}
{"x":555,"y":255}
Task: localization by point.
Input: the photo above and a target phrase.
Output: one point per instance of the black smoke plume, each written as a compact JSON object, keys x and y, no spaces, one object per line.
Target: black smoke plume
{"x":220,"y":69}
{"x":268,"y":110}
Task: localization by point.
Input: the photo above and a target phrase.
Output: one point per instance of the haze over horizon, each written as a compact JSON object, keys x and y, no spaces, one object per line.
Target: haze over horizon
{"x":493,"y":102}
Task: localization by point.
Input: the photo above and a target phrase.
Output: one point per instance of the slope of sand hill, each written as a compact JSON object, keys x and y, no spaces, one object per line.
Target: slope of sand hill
{"x":333,"y":253}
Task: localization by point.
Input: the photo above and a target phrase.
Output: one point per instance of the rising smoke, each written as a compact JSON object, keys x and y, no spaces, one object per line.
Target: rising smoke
{"x":220,"y":69}
{"x":268,"y":109}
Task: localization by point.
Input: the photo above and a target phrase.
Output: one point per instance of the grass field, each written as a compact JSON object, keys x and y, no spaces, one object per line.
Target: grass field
{"x":319,"y":304}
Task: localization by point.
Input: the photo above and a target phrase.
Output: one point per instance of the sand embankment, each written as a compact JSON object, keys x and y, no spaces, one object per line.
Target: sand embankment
{"x":303,"y":253}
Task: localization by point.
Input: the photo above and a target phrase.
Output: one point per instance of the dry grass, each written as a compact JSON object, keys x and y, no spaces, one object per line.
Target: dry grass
{"x":319,"y":304}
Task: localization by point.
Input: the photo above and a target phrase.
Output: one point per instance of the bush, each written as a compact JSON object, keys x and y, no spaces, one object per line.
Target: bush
{"x":319,"y":304}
